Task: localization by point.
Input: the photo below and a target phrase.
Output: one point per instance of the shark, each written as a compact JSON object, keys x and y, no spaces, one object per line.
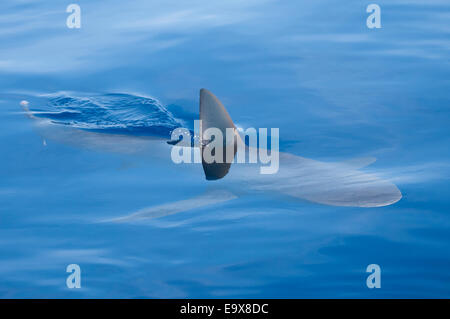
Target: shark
{"x":343,"y":184}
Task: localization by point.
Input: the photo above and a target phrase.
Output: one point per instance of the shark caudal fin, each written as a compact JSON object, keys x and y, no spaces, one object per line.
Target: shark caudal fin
{"x":214,"y":117}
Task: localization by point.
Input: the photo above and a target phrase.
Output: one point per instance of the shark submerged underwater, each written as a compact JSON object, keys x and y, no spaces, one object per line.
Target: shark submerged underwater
{"x":107,"y":122}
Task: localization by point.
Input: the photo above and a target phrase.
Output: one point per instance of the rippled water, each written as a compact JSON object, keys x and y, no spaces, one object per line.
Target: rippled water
{"x":110,"y":92}
{"x":109,"y":113}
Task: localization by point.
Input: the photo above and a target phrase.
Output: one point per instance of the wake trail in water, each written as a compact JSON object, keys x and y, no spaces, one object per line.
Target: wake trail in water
{"x":109,"y":113}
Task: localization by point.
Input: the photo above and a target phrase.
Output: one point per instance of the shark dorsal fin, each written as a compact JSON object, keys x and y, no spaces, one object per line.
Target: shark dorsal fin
{"x":214,"y":115}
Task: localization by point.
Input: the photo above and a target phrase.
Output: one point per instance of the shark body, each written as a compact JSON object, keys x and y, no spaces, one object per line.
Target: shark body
{"x":336,"y":184}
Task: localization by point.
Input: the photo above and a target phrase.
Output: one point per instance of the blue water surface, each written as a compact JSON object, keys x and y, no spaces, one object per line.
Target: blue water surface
{"x":335,"y":88}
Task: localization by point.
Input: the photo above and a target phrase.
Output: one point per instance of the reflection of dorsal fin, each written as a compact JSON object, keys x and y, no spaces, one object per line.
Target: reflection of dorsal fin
{"x":359,"y":162}
{"x":214,"y":115}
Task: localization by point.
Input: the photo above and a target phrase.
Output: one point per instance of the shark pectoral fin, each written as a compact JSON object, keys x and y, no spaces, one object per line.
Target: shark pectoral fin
{"x":210,"y":198}
{"x":360,"y":162}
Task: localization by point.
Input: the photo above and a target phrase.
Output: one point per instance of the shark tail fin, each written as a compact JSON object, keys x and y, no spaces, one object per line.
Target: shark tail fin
{"x":213,"y":115}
